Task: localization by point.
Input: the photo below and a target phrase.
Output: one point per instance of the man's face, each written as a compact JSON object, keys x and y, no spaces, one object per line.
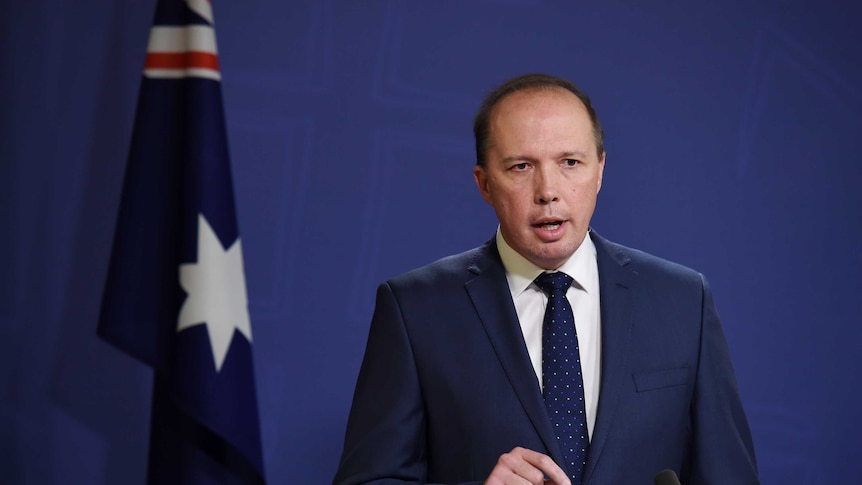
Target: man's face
{"x":542,"y":173}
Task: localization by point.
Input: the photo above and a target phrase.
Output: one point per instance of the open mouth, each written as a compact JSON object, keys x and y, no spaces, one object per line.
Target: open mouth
{"x":549,"y":225}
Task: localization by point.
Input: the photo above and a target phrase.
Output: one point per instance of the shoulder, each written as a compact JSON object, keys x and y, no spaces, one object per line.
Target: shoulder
{"x":645,"y":265}
{"x":454,"y":269}
{"x":442,"y":286}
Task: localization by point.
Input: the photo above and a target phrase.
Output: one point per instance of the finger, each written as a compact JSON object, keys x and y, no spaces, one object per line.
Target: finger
{"x":547,"y":465}
{"x":513,"y":469}
{"x":521,"y":471}
{"x":502,"y":475}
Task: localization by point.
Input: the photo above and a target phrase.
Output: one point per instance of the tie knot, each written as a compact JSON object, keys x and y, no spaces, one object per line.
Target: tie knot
{"x":553,"y":282}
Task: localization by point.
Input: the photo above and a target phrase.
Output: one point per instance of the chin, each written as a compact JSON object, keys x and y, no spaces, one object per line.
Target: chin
{"x":555,"y":258}
{"x":548,"y":261}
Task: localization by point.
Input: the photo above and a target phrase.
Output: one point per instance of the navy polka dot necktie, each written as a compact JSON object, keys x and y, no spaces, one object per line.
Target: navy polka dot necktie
{"x":562,"y":384}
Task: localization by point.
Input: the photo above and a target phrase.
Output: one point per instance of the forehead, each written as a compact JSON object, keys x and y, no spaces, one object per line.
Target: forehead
{"x":537,"y":101}
{"x":542,"y":113}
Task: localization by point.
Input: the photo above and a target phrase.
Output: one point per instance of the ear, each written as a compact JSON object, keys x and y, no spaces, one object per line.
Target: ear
{"x":601,"y":172}
{"x":481,"y":178}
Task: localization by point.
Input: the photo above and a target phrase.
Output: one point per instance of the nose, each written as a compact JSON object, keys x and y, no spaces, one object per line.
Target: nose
{"x":546,"y":190}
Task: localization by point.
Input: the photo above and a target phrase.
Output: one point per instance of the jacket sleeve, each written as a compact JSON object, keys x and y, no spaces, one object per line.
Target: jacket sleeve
{"x":722,"y":450}
{"x":386,"y":429}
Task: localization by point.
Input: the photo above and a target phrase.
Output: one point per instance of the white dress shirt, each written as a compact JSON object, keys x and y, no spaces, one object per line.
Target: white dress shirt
{"x":583,"y":295}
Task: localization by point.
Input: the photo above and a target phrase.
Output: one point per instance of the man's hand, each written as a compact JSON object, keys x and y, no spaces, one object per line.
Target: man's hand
{"x":522,"y":466}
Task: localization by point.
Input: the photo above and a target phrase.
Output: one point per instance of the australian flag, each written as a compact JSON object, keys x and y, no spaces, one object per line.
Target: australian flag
{"x":175,"y":296}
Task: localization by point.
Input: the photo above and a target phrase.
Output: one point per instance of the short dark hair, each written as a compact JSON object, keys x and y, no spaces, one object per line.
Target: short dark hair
{"x":527,"y":82}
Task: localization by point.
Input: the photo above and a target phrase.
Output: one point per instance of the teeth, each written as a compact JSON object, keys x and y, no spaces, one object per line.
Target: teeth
{"x":550,"y":225}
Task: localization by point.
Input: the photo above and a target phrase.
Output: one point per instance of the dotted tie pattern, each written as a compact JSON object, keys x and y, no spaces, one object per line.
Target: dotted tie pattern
{"x":562,"y":384}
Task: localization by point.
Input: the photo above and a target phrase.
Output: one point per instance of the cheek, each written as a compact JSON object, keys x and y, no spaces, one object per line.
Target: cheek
{"x":501,"y":195}
{"x":515,"y":202}
{"x":587,"y":188}
{"x":508,"y":211}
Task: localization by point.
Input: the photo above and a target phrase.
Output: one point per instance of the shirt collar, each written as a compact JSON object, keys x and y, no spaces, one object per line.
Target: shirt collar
{"x":520,"y":272}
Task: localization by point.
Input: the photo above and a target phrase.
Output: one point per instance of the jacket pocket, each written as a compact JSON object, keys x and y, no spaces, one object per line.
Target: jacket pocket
{"x":660,"y":379}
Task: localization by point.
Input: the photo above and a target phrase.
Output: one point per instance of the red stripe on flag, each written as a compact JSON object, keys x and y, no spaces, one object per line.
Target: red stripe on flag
{"x":182,"y":60}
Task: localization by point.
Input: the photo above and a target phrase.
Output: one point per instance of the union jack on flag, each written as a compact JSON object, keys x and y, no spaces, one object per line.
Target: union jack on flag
{"x":175,"y":295}
{"x":186,"y":50}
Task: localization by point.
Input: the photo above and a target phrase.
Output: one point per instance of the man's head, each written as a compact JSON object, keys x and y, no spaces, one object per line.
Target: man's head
{"x":540,"y":165}
{"x":527,"y":82}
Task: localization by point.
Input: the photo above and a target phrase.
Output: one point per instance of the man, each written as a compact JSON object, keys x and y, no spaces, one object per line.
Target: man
{"x":463,"y":377}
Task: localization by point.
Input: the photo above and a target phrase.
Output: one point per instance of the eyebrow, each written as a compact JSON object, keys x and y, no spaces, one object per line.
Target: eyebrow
{"x":524,"y":158}
{"x":574,"y":154}
{"x":518,"y":158}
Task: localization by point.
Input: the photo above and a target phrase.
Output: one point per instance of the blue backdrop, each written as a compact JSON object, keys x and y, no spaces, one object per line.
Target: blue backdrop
{"x":733,"y":135}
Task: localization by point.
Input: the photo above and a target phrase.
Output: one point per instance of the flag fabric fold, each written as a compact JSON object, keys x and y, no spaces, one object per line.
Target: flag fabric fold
{"x":175,"y":295}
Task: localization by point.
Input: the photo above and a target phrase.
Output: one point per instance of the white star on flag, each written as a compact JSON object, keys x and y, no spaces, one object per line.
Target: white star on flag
{"x":216,"y":292}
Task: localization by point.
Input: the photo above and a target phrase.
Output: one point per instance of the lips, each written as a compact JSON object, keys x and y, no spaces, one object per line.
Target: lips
{"x":549,"y":223}
{"x":549,"y":228}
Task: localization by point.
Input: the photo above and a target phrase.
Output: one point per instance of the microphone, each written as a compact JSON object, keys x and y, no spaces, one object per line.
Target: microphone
{"x":666,"y":477}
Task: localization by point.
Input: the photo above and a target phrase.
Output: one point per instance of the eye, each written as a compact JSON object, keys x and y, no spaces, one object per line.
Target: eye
{"x":570,"y":162}
{"x":519,"y":166}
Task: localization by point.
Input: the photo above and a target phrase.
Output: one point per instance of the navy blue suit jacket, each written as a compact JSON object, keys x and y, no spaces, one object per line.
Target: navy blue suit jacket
{"x":446,"y":385}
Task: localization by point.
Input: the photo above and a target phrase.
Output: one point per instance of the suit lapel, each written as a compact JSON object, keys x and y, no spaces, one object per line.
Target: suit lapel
{"x":489,"y":293}
{"x":616,"y":283}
